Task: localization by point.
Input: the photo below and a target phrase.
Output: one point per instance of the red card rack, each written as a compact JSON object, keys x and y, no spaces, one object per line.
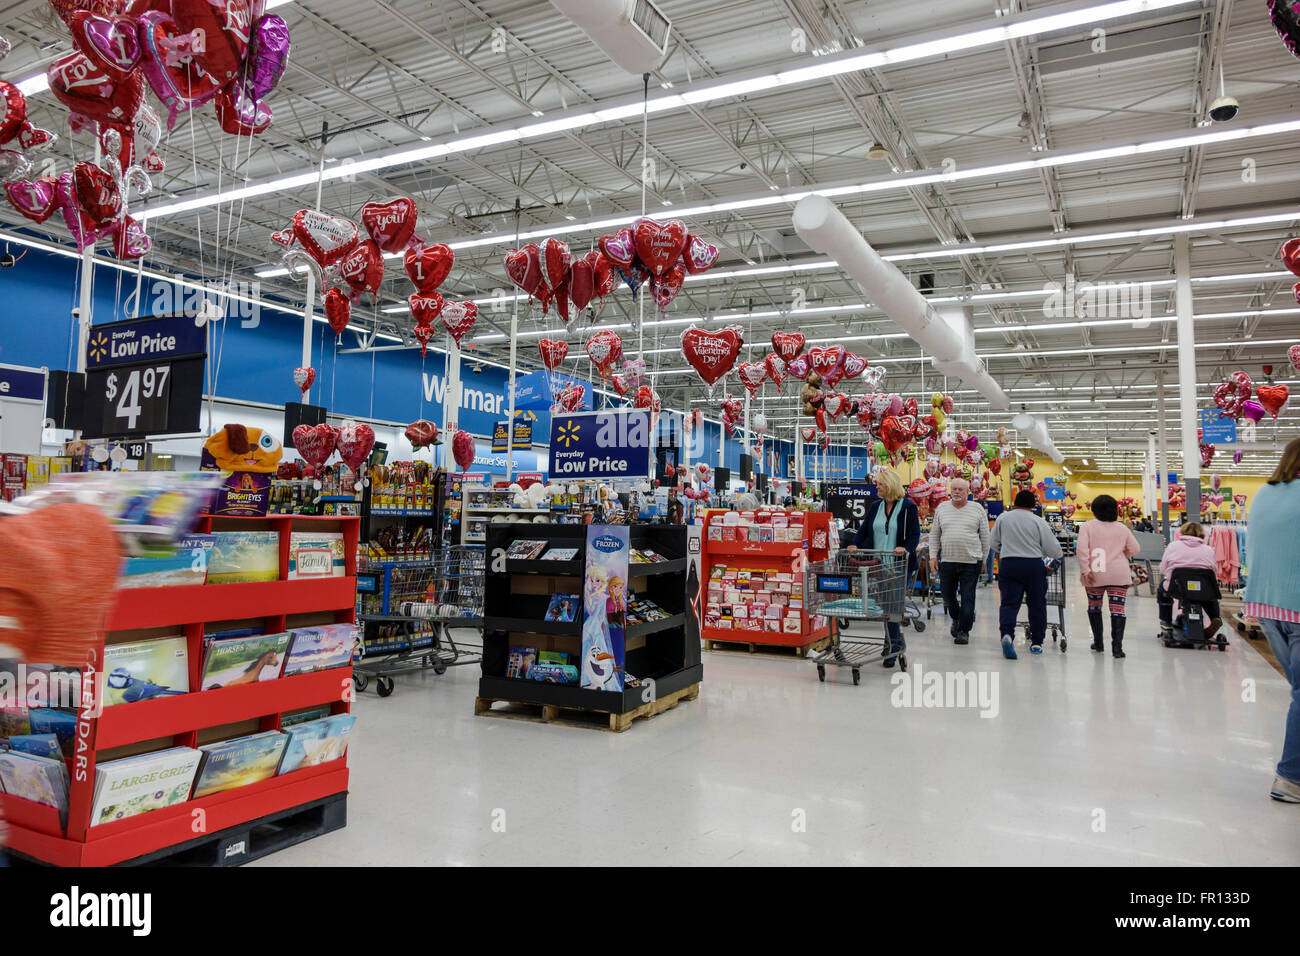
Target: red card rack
{"x":35,"y":830}
{"x":782,"y":556}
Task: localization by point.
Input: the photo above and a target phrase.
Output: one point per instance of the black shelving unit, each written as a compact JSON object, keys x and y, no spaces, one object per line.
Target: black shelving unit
{"x":516,"y":597}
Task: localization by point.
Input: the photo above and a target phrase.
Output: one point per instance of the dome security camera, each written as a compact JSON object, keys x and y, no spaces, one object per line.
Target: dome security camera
{"x":1223,"y":109}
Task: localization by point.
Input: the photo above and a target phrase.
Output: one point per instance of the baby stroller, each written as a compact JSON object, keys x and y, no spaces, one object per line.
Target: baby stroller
{"x":1197,"y":590}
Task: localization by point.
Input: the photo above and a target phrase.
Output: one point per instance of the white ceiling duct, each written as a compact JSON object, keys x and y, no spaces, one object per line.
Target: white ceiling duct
{"x":950,"y":341}
{"x":1033,"y":429}
{"x":632,"y":33}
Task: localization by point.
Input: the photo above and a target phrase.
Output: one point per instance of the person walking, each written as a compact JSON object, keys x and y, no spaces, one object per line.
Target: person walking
{"x":959,"y":539}
{"x":1023,"y":542}
{"x":892,"y":521}
{"x":1273,"y":596}
{"x":1105,"y":544}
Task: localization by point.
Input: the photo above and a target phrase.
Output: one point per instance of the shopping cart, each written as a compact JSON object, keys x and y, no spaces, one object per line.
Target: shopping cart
{"x":860,"y":586}
{"x":410,"y":612}
{"x":929,"y":583}
{"x":1055,"y":599}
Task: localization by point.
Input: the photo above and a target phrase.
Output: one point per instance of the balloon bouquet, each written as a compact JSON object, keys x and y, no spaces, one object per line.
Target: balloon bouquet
{"x":188,"y":52}
{"x":352,"y":441}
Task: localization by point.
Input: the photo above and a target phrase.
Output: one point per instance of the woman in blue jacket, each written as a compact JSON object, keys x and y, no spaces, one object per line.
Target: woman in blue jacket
{"x":892,"y":522}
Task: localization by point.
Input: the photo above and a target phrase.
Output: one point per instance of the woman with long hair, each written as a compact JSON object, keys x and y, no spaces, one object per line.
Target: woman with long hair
{"x":1273,"y":596}
{"x":892,"y":523}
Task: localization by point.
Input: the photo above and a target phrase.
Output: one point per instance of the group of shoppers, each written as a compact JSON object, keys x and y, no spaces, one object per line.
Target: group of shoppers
{"x":1028,"y":552}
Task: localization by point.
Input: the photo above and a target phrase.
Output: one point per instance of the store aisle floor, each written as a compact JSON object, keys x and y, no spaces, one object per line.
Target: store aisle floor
{"x":1154,"y":760}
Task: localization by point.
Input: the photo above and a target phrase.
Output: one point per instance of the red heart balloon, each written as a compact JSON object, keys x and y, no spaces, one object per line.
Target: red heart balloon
{"x":363,"y":268}
{"x":31,"y":138}
{"x":423,"y":334}
{"x":556,"y":260}
{"x":97,"y":193}
{"x":553,"y":352}
{"x":130,"y":240}
{"x":788,"y":345}
{"x":524,"y":267}
{"x":1273,"y":397}
{"x":36,"y":200}
{"x":391,"y":224}
{"x":84,"y":88}
{"x":458,"y":318}
{"x":668,"y":285}
{"x":776,"y":369}
{"x":658,"y":245}
{"x":1290,"y":255}
{"x":571,"y":399}
{"x":356,"y":441}
{"x":699,"y":255}
{"x":752,"y":376}
{"x":224,"y":25}
{"x":646,"y":398}
{"x":13,"y":111}
{"x":338,"y":310}
{"x":582,"y":283}
{"x":606,"y":278}
{"x":828,"y":362}
{"x":326,"y":238}
{"x":619,"y":248}
{"x":604,"y":349}
{"x":111,"y":42}
{"x":240,"y":113}
{"x":425,"y":307}
{"x":429,"y":266}
{"x":462,"y":449}
{"x":712,"y":353}
{"x":315,"y":442}
{"x":855,"y":365}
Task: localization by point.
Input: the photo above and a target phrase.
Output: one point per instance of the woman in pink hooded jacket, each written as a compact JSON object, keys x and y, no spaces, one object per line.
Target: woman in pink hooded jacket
{"x":1189,"y":550}
{"x":1104,"y":547}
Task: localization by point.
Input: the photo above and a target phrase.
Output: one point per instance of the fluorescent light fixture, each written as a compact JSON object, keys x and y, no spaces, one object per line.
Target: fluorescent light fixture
{"x":849,"y":62}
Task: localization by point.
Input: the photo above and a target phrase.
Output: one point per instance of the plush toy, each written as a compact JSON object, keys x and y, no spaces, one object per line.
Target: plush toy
{"x":250,"y":456}
{"x":236,"y":448}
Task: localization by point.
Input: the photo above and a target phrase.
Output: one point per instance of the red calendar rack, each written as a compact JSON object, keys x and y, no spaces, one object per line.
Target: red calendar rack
{"x":788,"y":557}
{"x":35,"y":831}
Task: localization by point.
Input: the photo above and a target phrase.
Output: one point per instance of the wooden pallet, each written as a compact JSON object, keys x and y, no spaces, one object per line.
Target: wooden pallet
{"x":251,"y":840}
{"x":579,"y":717}
{"x":775,"y":650}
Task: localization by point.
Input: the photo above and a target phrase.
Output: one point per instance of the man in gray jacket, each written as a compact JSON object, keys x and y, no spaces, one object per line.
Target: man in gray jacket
{"x":1024,"y":542}
{"x":961,"y":531}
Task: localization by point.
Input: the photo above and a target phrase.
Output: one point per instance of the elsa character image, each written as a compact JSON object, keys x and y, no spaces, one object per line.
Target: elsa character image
{"x":597,"y":657}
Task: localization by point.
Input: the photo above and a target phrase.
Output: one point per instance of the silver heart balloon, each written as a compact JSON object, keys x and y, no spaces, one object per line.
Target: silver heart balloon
{"x":873,"y":377}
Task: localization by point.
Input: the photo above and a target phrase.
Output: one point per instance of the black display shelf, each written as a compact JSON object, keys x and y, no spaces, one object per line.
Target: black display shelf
{"x":517,"y":594}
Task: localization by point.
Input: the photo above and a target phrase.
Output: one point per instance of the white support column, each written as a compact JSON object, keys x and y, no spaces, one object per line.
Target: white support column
{"x":308,"y":319}
{"x":451,"y":398}
{"x":1187,"y":412}
{"x":1150,"y":505}
{"x":1162,"y":458}
{"x":745,"y":439}
{"x":510,"y":385}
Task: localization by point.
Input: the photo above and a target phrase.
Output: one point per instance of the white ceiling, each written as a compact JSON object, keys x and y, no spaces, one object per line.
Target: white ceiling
{"x":389,"y":75}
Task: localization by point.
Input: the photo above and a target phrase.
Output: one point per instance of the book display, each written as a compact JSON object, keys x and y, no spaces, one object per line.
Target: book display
{"x":197,"y":682}
{"x":753,"y":577}
{"x":575,"y":623}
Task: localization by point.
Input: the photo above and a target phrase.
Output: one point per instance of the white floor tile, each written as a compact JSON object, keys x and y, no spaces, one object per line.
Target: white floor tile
{"x":1155,"y":759}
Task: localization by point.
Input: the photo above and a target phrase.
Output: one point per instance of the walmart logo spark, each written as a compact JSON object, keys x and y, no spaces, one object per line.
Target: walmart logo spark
{"x":98,"y":347}
{"x":567,"y":434}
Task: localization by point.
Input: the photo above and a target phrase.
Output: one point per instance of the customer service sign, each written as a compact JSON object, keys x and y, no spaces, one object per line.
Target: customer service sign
{"x":608,"y":444}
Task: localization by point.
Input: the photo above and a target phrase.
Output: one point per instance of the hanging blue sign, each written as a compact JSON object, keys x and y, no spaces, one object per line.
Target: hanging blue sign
{"x":612,"y":444}
{"x":537,"y":389}
{"x":1217,"y":428}
{"x":137,"y":341}
{"x":17,"y":381}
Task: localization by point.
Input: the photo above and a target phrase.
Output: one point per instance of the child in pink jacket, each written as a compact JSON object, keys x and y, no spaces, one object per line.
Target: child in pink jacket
{"x":1104,"y":547}
{"x":1188,"y":550}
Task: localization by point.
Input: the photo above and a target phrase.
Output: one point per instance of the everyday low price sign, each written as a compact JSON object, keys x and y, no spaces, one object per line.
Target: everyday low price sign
{"x":609,"y":444}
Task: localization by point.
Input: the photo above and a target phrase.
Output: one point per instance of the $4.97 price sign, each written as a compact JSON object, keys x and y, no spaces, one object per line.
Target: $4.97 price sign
{"x":136,"y":399}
